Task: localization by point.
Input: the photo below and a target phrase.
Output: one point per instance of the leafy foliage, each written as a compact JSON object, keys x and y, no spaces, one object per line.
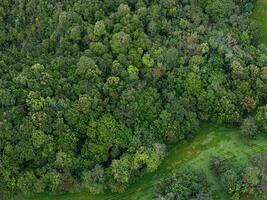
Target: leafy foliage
{"x":184,"y":184}
{"x":91,"y":91}
{"x":238,"y":181}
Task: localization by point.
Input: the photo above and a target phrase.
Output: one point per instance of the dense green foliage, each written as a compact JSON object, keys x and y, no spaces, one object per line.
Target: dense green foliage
{"x":238,"y":181}
{"x":184,"y":185}
{"x":91,"y":91}
{"x":235,"y":180}
{"x":194,"y":153}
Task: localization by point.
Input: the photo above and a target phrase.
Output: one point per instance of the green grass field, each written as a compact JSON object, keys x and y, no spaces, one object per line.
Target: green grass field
{"x":260,"y":16}
{"x":212,"y":139}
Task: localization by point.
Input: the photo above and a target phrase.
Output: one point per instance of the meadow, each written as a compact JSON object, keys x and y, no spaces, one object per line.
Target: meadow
{"x":260,"y":16}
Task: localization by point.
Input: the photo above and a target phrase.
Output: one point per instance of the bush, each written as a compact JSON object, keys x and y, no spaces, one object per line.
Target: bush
{"x":183,"y":185}
{"x":238,"y":181}
{"x":249,"y":128}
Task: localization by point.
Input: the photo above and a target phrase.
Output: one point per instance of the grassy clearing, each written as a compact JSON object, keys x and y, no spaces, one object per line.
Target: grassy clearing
{"x":213,"y":139}
{"x":260,"y":16}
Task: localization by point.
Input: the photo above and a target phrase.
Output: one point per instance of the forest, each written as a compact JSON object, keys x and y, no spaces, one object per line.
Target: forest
{"x":92,"y":93}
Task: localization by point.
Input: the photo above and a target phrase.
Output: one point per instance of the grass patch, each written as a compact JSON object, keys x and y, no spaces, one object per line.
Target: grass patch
{"x":260,"y":17}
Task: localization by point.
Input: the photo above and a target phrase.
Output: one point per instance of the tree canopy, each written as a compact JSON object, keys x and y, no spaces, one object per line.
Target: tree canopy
{"x":92,"y":90}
